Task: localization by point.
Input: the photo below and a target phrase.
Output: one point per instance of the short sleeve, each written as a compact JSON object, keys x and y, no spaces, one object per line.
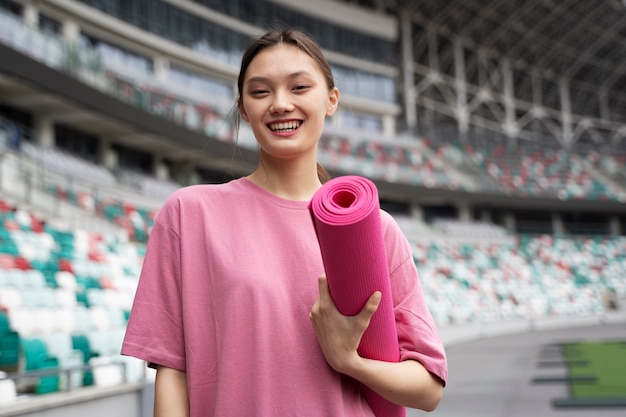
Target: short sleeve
{"x":418,"y":336}
{"x":155,"y":327}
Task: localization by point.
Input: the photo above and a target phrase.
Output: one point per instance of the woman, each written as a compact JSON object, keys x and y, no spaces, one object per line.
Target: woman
{"x":232,"y":307}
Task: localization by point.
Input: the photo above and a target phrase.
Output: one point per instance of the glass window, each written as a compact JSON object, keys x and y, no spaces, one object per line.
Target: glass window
{"x":48,"y":24}
{"x":119,"y":59}
{"x":133,"y":159}
{"x":185,"y":28}
{"x":361,"y":121}
{"x":76,"y":142}
{"x":11,"y":7}
{"x":193,"y":84}
{"x":364,"y":84}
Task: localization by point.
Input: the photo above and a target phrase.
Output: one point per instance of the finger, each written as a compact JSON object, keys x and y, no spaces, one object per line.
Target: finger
{"x":323,"y":289}
{"x":371,"y":306}
{"x":322,"y":283}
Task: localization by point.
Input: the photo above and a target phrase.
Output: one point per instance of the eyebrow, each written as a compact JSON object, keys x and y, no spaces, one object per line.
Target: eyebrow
{"x":267,"y":79}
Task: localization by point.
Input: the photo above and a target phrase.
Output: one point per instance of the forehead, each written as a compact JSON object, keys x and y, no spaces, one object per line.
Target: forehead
{"x":282,"y":61}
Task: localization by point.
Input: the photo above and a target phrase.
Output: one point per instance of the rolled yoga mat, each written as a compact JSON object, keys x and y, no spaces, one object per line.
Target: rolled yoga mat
{"x":346,"y":214}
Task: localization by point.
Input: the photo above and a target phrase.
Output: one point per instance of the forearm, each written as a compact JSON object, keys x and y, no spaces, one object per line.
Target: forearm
{"x":170,"y":393}
{"x":405,"y":383}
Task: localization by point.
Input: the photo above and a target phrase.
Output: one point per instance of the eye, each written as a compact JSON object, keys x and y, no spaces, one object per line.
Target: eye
{"x":301,"y":87}
{"x":258,"y":92}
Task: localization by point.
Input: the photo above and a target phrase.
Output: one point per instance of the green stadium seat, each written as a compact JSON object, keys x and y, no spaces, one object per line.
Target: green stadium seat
{"x":49,"y":383}
{"x":5,"y":323}
{"x":81,"y":343}
{"x":34,"y":352}
{"x":36,"y":358}
{"x":9,"y":350}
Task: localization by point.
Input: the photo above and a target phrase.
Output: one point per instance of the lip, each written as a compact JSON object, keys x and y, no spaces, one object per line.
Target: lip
{"x":292,"y":126}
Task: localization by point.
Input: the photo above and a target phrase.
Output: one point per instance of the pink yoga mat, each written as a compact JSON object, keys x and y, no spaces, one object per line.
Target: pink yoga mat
{"x":346,"y":214}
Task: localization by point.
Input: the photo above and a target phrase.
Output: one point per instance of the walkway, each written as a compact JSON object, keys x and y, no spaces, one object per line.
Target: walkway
{"x":492,"y":377}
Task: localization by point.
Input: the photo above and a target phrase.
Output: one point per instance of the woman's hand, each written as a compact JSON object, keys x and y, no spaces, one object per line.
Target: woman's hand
{"x":406,"y":383}
{"x":339,"y":335}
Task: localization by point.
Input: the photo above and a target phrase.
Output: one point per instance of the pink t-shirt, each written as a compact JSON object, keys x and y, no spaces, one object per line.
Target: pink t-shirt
{"x":228,"y":281}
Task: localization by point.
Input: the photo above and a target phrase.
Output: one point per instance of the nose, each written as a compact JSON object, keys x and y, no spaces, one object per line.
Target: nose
{"x":281,"y":103}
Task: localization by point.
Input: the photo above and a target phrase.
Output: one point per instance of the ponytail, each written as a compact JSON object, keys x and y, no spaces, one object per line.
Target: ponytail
{"x":322,"y":174}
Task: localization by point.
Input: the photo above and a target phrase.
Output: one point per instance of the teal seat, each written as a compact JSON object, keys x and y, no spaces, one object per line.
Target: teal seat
{"x":9,"y":350}
{"x":36,"y":358}
{"x":81,"y":342}
{"x":34,"y":352}
{"x":48,"y":383}
{"x":5,"y":323}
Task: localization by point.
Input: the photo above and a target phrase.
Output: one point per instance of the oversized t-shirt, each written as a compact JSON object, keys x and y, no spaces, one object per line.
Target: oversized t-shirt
{"x":227,"y":285}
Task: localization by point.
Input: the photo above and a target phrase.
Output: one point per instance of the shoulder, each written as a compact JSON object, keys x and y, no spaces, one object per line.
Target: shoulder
{"x":398,"y":246}
{"x":202,"y":194}
{"x":389,"y":224}
{"x":386,"y":217}
{"x":196,"y":198}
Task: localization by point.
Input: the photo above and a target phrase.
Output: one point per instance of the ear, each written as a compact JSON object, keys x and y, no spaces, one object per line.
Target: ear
{"x":333,"y":101}
{"x":242,"y":110}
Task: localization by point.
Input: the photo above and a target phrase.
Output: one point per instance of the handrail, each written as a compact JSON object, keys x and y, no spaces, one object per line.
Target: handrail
{"x":64,"y":370}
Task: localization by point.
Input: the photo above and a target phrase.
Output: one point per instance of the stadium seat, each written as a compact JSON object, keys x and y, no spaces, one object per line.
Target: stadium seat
{"x":106,"y":372}
{"x":81,"y":342}
{"x":34,"y":352}
{"x":66,"y":280}
{"x":72,"y":359}
{"x":99,"y":318}
{"x":36,"y":358}
{"x":59,"y":345}
{"x":10,"y":298}
{"x":9,"y":350}
{"x":135,"y":368}
{"x":23,"y":320}
{"x":51,"y":383}
{"x":5,"y":323}
{"x":8,"y":391}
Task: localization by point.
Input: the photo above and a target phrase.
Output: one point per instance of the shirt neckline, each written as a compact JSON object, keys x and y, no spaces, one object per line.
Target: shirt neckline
{"x":273,"y":198}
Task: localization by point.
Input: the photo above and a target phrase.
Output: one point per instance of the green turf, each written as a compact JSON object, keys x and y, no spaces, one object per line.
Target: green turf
{"x":604,"y":359}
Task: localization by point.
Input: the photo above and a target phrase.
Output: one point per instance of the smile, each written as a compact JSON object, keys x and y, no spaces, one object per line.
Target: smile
{"x":284,"y":127}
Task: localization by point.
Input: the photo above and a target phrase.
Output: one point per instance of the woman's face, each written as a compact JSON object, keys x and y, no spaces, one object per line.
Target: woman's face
{"x":285,"y":99}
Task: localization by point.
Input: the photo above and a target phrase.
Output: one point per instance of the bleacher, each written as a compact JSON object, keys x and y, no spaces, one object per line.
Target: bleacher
{"x":540,"y":171}
{"x":65,"y":292}
{"x":532,"y":277}
{"x":65,"y":296}
{"x":519,"y":170}
{"x":407,"y":162}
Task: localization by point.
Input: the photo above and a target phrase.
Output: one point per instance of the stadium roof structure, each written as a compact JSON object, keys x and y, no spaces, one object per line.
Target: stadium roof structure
{"x":580,"y":44}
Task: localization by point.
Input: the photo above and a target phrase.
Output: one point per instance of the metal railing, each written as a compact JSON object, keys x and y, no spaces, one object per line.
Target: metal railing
{"x":65,"y":374}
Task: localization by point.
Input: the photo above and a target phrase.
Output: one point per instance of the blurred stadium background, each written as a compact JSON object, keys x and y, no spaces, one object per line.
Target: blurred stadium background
{"x":495,"y":131}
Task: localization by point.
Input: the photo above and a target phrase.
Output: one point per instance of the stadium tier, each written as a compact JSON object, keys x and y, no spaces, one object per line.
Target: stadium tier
{"x":107,"y":107}
{"x":64,"y":301}
{"x":65,"y":295}
{"x":522,"y":170}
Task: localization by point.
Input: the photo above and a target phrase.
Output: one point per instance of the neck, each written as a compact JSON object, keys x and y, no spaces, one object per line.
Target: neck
{"x":292,"y":180}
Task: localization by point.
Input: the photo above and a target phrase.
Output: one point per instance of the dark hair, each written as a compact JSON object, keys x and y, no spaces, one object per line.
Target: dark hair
{"x":298,"y":39}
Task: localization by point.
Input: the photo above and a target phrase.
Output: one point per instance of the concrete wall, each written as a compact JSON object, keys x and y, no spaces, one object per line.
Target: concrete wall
{"x":126,"y":400}
{"x":454,"y":335}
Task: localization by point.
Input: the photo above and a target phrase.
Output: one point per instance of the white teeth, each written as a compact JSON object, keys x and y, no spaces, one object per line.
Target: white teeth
{"x":284,"y":127}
